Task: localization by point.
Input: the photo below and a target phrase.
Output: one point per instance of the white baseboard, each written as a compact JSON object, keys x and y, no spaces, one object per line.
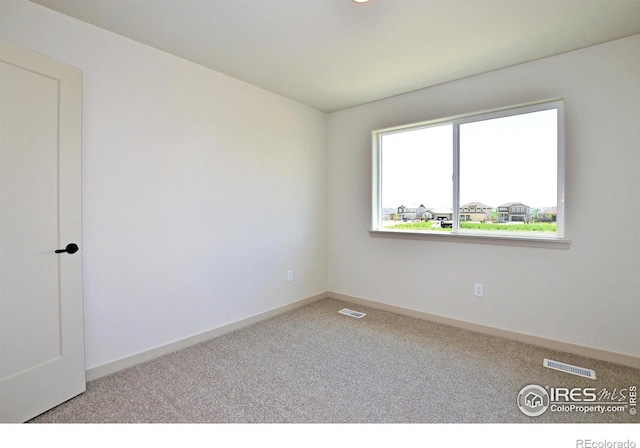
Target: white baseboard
{"x":130,"y":361}
{"x":589,"y":352}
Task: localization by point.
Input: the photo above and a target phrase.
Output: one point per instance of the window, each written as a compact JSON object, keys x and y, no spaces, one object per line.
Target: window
{"x":504,"y":169}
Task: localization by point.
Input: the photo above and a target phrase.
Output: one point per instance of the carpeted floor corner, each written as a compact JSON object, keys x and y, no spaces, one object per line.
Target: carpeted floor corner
{"x":314,"y":365}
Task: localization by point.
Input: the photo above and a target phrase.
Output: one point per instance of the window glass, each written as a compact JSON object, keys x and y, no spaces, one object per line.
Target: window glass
{"x":417,"y":169}
{"x":498,"y":173}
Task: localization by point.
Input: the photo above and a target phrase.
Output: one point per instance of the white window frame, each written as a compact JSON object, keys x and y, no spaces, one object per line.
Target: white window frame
{"x":555,"y":240}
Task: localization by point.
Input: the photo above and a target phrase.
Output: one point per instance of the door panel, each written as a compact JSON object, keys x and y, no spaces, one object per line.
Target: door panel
{"x":41,"y":317}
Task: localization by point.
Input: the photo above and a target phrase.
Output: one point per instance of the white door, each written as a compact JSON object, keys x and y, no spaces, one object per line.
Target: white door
{"x":41,"y":307}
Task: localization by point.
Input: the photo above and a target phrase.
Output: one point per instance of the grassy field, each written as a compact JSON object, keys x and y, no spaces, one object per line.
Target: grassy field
{"x":532,"y":227}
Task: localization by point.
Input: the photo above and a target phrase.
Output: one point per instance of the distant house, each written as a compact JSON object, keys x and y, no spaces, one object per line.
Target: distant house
{"x":514,"y":212}
{"x":389,"y":214}
{"x":441,"y":214}
{"x":414,"y":213}
{"x":475,"y":211}
{"x":548,"y":214}
{"x":423,"y":214}
{"x":407,"y":213}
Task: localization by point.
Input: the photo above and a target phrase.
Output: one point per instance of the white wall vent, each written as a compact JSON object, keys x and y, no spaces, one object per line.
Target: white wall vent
{"x":348,"y":312}
{"x":568,"y":368}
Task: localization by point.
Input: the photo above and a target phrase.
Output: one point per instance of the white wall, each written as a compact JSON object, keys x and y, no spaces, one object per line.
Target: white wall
{"x":200,"y":191}
{"x":587,"y":295}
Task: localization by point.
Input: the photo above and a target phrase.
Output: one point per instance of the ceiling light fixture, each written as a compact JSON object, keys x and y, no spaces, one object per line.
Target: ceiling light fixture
{"x":360,"y":1}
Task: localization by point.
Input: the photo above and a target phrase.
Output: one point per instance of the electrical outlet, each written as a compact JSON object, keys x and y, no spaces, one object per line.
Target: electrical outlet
{"x":289,"y":276}
{"x":477,"y":289}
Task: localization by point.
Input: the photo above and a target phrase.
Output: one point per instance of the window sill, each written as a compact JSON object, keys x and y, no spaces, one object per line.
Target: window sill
{"x":499,"y":240}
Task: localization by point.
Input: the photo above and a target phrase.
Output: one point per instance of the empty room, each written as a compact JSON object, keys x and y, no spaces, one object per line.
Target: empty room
{"x":326,"y":211}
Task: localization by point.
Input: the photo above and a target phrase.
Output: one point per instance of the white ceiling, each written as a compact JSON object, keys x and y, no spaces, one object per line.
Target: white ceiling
{"x":334,"y":54}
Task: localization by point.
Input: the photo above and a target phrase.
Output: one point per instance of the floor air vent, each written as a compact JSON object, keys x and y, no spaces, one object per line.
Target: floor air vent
{"x":352,"y":313}
{"x":568,"y":368}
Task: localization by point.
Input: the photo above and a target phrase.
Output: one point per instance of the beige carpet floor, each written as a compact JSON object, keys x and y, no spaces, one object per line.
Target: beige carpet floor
{"x":314,"y":365}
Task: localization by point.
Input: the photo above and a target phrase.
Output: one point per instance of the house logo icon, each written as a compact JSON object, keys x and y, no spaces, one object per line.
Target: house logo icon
{"x":533,"y":400}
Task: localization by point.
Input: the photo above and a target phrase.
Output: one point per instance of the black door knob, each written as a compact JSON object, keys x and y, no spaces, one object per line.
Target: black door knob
{"x":70,"y":249}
